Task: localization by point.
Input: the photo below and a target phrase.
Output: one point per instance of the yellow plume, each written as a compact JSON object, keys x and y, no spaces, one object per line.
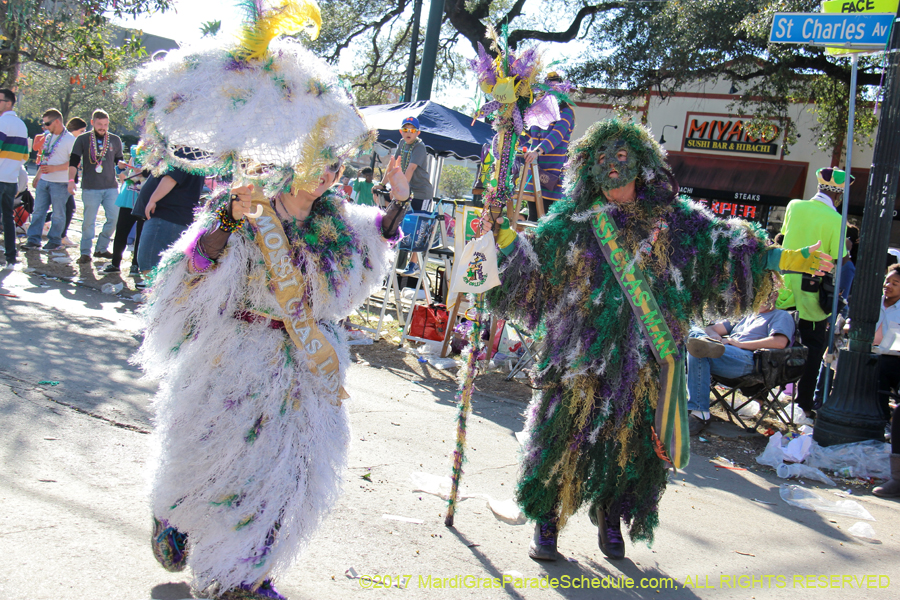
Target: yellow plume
{"x":290,"y":17}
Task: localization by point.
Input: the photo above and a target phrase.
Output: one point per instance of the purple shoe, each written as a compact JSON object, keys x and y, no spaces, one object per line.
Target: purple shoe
{"x":543,"y":545}
{"x":609,"y":535}
{"x":266,"y":591}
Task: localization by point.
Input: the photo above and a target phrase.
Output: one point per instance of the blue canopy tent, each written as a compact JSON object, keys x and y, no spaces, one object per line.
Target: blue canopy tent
{"x":446,"y":132}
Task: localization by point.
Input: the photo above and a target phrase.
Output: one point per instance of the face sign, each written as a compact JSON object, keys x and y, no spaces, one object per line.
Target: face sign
{"x":101,"y":126}
{"x":616,"y":165}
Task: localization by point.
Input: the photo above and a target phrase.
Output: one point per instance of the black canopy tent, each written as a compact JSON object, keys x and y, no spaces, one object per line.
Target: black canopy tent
{"x":445,"y":132}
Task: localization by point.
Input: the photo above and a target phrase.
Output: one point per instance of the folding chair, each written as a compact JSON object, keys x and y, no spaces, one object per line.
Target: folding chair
{"x":773,"y":370}
{"x":418,"y":234}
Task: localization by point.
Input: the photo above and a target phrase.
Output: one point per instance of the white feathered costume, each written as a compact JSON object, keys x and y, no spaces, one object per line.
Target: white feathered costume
{"x":250,"y":446}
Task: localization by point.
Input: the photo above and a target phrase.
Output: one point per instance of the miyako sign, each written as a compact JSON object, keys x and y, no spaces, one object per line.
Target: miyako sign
{"x":727,"y":135}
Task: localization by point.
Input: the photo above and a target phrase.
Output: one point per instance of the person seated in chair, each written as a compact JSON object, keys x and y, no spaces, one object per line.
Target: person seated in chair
{"x":727,"y":351}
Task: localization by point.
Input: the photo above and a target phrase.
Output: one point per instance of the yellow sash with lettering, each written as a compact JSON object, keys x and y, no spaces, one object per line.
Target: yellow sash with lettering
{"x":290,"y":286}
{"x":671,"y":425}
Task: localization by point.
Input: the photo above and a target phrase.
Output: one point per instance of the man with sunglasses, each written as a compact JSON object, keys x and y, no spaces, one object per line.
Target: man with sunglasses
{"x":413,"y":164}
{"x":52,"y":187}
{"x":13,"y":154}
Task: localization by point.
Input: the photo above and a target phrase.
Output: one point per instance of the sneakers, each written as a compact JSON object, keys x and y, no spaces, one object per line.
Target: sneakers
{"x":609,"y":534}
{"x":30,"y":246}
{"x":110,"y":268}
{"x":169,"y":546}
{"x":106,"y":254}
{"x":52,"y":246}
{"x":67,"y":242}
{"x":704,"y":347}
{"x":697,"y":424}
{"x":140,"y":285}
{"x":134,"y":270}
{"x":411,"y":269}
{"x":84,"y":259}
{"x":543,"y":544}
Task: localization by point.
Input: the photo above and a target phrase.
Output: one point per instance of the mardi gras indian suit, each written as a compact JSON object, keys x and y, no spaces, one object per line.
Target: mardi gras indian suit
{"x":591,"y":434}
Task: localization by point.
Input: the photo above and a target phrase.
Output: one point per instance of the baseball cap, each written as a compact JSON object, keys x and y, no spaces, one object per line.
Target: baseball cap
{"x":410,"y":121}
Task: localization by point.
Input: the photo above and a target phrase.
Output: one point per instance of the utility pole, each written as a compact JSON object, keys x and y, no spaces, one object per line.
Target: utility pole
{"x":429,"y":52}
{"x":413,"y":52}
{"x":854,"y":413}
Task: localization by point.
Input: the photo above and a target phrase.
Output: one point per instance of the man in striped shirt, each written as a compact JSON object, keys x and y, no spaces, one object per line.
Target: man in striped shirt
{"x":13,"y":154}
{"x":549,"y":147}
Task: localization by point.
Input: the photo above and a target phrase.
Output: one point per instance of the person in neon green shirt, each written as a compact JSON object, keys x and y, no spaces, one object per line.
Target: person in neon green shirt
{"x":805,"y":223}
{"x":363,"y":188}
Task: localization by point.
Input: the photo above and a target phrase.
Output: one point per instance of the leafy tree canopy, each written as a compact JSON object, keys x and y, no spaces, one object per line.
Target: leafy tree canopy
{"x":632,"y":48}
{"x":65,"y":35}
{"x":665,"y":46}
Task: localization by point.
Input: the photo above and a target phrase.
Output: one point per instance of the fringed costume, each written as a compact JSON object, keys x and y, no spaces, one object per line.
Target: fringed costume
{"x":250,"y":444}
{"x":251,"y":431}
{"x":591,"y":436}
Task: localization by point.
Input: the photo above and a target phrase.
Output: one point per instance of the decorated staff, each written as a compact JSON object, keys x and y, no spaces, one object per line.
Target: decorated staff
{"x":509,"y":80}
{"x":252,"y":430}
{"x":614,"y":274}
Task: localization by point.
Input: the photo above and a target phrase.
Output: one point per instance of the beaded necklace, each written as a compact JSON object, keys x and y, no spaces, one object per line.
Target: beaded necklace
{"x":45,"y":153}
{"x":325,"y":239}
{"x":95,"y":159}
{"x":406,"y":154}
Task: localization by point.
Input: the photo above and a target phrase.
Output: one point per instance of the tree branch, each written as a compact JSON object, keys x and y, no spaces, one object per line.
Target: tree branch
{"x":562,"y":36}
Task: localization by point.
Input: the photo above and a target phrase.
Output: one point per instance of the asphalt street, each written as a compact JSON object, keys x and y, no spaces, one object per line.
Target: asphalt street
{"x":75,"y":522}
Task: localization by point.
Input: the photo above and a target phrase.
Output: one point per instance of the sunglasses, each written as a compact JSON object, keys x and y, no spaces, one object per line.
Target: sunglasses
{"x":408,"y":129}
{"x":47,"y":124}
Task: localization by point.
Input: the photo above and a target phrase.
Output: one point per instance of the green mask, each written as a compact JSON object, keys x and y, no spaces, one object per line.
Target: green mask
{"x":626,"y":165}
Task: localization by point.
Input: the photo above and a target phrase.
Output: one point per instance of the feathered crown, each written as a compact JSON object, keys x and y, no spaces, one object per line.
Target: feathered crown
{"x":264,"y":109}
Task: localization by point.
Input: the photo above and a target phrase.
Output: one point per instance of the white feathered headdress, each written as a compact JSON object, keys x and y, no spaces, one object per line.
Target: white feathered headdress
{"x":265,"y":109}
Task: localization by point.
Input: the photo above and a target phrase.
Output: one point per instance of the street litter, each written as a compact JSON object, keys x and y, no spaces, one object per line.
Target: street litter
{"x":109,"y":288}
{"x":763,"y":501}
{"x":798,"y":448}
{"x":809,"y":500}
{"x":404,"y":519}
{"x":435,"y":485}
{"x":9,"y":295}
{"x":860,"y":459}
{"x":798,"y":470}
{"x":504,"y":510}
{"x":62,"y":259}
{"x":363,"y":341}
{"x":507,"y":511}
{"x":744,"y":553}
{"x":48,"y":382}
{"x":444,"y":363}
{"x":749,"y":410}
{"x":864,"y":531}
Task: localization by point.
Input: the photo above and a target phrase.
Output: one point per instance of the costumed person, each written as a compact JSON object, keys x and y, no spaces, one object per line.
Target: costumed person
{"x":806,"y":221}
{"x":251,"y":429}
{"x":612,"y":276}
{"x":550,"y":121}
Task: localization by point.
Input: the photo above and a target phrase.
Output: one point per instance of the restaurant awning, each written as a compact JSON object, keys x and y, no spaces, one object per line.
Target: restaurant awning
{"x":738,"y":180}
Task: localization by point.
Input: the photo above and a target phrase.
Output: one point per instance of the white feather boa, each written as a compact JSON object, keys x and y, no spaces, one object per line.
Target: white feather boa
{"x":222,"y":379}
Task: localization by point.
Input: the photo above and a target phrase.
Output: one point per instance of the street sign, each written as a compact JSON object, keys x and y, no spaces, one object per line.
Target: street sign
{"x":859,"y":31}
{"x":857,"y":6}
